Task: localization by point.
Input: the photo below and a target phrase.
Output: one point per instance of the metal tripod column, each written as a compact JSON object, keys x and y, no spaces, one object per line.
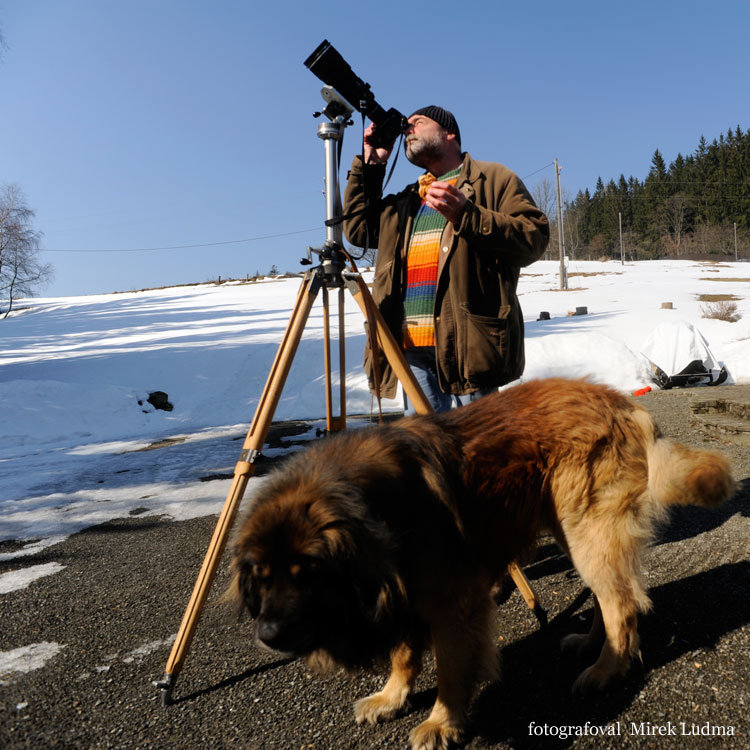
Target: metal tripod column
{"x":332,"y":263}
{"x":243,"y":471}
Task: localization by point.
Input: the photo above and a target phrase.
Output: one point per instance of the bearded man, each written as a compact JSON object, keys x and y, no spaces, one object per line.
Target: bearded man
{"x":450,"y":250}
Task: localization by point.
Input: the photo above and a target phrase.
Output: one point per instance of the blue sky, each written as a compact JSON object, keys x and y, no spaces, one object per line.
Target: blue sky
{"x":146,"y":124}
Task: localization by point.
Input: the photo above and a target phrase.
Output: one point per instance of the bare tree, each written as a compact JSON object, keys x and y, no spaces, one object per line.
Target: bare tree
{"x":710,"y":239}
{"x":21,"y":271}
{"x":573,"y":225}
{"x":675,"y":209}
{"x":545,"y":197}
{"x":368,"y":256}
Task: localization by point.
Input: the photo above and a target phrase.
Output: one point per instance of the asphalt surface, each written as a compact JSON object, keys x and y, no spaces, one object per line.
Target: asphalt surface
{"x":120,"y":599}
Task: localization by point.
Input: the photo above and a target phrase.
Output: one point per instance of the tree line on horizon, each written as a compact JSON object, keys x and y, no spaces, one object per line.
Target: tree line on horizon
{"x":694,"y":207}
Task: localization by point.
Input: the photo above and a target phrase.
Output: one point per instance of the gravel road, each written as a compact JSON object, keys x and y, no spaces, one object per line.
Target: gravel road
{"x":118,"y":603}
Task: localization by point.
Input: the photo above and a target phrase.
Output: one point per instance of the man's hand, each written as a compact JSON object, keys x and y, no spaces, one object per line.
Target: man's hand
{"x":374,"y":155}
{"x":446,"y":200}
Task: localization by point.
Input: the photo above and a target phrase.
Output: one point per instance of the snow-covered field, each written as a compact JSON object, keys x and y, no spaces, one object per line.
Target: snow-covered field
{"x":75,"y":373}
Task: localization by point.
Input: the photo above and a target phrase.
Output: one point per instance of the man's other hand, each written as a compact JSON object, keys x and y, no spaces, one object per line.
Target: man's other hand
{"x":446,"y":200}
{"x":374,"y":155}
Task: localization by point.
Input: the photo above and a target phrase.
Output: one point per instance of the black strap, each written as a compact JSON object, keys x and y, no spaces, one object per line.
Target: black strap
{"x":339,"y":219}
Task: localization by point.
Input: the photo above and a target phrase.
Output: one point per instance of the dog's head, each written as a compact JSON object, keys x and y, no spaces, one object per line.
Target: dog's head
{"x":315,"y":570}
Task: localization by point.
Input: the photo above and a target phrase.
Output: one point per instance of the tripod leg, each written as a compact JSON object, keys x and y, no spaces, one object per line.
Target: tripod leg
{"x":528,"y":593}
{"x":269,"y":399}
{"x":342,"y":360}
{"x":327,"y":358}
{"x":390,"y":346}
{"x":244,"y":469}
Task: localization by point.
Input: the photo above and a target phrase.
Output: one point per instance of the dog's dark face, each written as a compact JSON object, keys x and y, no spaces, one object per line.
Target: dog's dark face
{"x":313,"y":573}
{"x":282,"y":595}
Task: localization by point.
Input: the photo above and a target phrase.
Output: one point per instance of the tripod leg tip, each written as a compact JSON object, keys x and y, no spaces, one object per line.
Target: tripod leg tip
{"x":166,"y":686}
{"x":541,"y":614}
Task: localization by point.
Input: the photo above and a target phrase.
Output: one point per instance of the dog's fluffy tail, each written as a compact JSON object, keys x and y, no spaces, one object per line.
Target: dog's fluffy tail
{"x":679,"y":475}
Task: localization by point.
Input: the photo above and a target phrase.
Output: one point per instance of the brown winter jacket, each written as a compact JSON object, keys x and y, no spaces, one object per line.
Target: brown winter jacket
{"x":478,"y":321}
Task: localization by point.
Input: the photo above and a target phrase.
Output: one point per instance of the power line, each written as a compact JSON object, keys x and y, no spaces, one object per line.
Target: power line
{"x":541,"y":169}
{"x":212,"y":244}
{"x":180,"y":247}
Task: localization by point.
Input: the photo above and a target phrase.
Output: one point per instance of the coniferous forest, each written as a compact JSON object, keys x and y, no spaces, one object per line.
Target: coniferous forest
{"x":698,"y":206}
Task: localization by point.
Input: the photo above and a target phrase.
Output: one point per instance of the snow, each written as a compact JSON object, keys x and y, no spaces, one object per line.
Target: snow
{"x":20,"y":579}
{"x":75,"y":373}
{"x":26,"y":659}
{"x":79,"y":441}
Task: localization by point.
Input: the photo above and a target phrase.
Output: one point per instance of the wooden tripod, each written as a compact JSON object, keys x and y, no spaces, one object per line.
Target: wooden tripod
{"x":329,"y":273}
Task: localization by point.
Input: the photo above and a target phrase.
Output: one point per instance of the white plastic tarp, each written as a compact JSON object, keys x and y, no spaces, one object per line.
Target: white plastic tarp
{"x":673,"y":346}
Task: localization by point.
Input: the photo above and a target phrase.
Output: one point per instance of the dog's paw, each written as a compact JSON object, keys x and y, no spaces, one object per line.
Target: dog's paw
{"x":434,"y":735}
{"x":379,"y":707}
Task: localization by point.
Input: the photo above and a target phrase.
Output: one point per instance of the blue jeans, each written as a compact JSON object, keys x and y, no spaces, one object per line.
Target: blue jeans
{"x":421,"y":360}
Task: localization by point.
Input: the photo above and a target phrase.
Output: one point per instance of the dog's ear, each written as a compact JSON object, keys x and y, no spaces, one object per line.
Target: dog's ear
{"x":247,"y":589}
{"x":358,"y":553}
{"x":377,"y":596}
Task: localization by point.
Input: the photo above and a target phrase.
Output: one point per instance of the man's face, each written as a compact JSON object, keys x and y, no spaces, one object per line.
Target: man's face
{"x":425,"y":141}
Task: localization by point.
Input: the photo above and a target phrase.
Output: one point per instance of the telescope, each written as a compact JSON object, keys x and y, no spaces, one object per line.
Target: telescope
{"x":328,"y":65}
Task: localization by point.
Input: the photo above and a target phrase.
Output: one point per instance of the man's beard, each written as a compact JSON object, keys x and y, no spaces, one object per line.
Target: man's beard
{"x":421,"y":150}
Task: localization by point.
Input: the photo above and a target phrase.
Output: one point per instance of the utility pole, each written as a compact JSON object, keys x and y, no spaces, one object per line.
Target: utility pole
{"x":560,"y":236}
{"x":622,"y":256}
{"x":735,"y":240}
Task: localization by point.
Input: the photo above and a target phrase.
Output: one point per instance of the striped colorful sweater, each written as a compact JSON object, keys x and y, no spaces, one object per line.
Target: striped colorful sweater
{"x":421,"y":273}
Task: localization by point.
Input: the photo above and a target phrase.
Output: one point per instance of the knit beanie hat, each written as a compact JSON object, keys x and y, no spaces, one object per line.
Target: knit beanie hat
{"x":442,"y":117}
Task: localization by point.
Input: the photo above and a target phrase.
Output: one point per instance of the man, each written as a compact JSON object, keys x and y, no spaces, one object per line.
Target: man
{"x":447,"y":265}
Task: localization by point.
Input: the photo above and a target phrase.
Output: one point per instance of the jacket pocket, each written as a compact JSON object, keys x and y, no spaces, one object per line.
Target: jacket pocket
{"x":485,"y":347}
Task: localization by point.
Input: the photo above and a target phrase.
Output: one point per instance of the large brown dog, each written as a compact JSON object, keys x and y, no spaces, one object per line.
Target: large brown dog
{"x":385,"y":541}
